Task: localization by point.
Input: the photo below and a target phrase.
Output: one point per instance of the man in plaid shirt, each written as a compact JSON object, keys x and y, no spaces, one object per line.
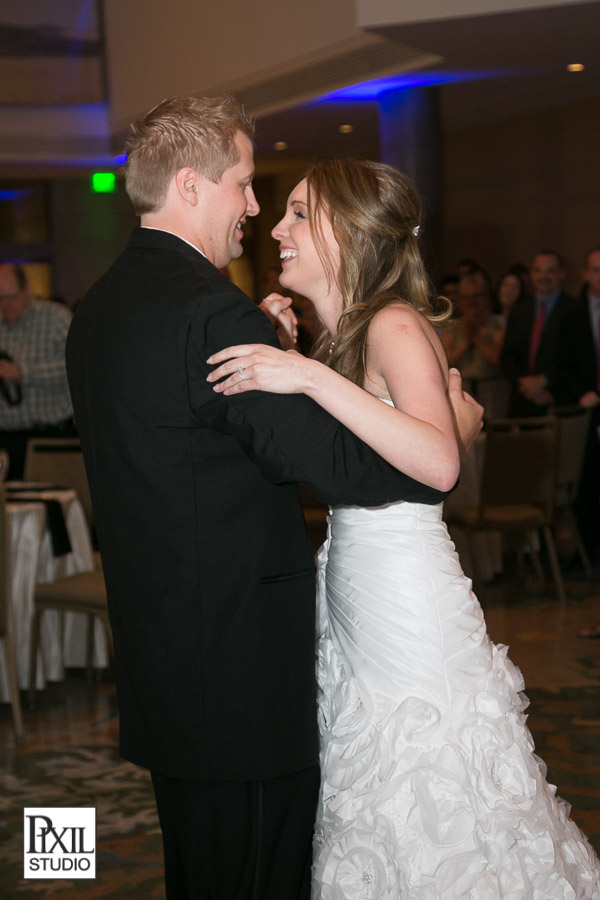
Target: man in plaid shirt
{"x":34,"y":395}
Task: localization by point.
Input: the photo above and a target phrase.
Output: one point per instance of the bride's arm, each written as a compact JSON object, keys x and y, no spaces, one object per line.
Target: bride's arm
{"x":401,"y":353}
{"x":417,"y":437}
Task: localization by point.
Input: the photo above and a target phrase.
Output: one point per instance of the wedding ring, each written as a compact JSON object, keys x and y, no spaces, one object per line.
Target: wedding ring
{"x":241,"y":373}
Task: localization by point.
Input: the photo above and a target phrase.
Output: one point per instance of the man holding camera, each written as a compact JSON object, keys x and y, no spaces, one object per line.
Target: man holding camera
{"x":34,"y":395}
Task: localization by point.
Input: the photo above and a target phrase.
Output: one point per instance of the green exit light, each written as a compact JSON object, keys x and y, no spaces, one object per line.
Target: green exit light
{"x":104,"y":183}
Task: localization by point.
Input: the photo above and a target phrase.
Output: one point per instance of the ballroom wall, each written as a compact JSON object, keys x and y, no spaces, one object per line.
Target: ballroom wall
{"x":521,"y":185}
{"x":88,"y":232}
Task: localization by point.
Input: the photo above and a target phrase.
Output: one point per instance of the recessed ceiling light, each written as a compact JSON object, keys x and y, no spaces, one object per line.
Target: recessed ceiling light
{"x":280,"y":145}
{"x":345,"y":129}
{"x":575,"y":67}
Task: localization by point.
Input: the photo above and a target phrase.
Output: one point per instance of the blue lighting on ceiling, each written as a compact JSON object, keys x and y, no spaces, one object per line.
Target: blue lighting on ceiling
{"x":14,"y":193}
{"x":372,"y":90}
{"x":84,"y":162}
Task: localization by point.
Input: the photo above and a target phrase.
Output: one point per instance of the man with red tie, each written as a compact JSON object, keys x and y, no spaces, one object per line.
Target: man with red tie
{"x":533,"y":345}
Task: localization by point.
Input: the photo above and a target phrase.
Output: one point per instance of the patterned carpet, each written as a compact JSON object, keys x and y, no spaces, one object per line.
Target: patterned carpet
{"x":69,"y":757}
{"x":566,"y":727}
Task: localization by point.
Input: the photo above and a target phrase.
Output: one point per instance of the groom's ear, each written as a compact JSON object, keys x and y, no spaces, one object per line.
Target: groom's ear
{"x":187,"y":182}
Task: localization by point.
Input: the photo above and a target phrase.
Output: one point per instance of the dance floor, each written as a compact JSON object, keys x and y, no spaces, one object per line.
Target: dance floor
{"x":69,"y":757}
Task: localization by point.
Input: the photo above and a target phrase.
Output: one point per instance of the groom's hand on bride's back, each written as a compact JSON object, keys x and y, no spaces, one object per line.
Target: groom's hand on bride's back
{"x":467,"y":412}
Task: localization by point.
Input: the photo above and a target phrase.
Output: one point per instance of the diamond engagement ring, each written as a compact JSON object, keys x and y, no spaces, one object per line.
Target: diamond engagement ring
{"x":241,"y":373}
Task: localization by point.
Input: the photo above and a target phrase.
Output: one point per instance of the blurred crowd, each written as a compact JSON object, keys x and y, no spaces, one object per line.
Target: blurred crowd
{"x":540,"y":343}
{"x":527,"y":347}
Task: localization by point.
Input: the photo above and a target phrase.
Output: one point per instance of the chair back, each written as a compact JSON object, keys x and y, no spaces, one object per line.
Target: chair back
{"x":60,"y":461}
{"x":520,"y":463}
{"x":4,"y":463}
{"x":573,"y":428}
{"x":4,"y":575}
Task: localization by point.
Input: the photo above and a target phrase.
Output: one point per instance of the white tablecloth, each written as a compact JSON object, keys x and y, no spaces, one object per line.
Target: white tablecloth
{"x":31,"y":560}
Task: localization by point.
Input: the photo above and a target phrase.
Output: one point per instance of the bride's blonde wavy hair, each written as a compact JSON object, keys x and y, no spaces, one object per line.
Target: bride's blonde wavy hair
{"x":375,"y":214}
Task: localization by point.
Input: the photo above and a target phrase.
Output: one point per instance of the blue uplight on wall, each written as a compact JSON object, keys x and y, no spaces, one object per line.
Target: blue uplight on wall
{"x":14,"y":193}
{"x":372,"y":90}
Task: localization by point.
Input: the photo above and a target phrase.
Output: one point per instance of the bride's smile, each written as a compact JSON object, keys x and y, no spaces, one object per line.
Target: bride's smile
{"x":308,"y":268}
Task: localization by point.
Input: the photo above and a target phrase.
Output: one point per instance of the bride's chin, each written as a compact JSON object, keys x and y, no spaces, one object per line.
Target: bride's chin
{"x":286,"y":282}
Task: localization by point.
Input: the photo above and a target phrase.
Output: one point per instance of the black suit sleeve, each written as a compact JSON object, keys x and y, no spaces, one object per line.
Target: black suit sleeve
{"x":289,"y":437}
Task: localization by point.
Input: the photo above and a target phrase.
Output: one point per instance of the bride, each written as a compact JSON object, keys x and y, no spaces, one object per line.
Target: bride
{"x":430,"y":787}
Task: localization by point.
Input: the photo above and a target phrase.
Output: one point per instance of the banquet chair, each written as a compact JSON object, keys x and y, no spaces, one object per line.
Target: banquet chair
{"x":517,"y":488}
{"x":59,"y":461}
{"x":5,"y":630}
{"x":573,"y":428}
{"x":4,"y":463}
{"x":83,"y":593}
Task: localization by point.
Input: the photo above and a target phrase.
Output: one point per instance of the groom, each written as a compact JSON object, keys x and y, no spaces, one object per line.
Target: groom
{"x":208,"y":568}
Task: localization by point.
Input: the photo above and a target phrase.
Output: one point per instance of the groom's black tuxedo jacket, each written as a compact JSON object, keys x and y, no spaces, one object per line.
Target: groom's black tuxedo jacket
{"x":208,"y":568}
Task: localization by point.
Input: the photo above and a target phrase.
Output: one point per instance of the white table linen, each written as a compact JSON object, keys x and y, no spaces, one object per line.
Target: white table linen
{"x":31,"y":560}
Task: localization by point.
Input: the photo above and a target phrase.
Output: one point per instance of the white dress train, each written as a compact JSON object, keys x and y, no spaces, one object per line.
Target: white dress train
{"x":431,"y":789}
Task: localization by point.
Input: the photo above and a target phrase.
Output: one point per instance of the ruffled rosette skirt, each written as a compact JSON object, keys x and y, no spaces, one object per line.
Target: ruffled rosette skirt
{"x":431,"y":789}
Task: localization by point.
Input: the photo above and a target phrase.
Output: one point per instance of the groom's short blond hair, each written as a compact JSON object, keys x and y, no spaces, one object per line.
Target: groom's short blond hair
{"x":198,"y":132}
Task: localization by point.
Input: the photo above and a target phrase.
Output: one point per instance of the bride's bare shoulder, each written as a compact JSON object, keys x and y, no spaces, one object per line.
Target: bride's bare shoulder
{"x":400,"y":323}
{"x":398,"y":318}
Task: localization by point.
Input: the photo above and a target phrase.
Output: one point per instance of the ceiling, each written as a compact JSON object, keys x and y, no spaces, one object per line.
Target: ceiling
{"x":526,"y":54}
{"x":493,"y":67}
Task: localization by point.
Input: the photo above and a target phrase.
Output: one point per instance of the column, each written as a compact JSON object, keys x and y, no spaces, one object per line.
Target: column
{"x":410,"y":139}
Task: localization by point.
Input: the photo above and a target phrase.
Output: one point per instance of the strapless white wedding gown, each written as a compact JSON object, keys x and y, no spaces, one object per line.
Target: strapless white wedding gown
{"x":431,"y":790}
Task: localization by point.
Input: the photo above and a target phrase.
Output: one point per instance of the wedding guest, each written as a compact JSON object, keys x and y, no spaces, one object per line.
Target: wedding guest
{"x":532,"y":346}
{"x":34,"y":395}
{"x":474,"y":342}
{"x":512,"y":287}
{"x":523,"y":273}
{"x":580,"y":384}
